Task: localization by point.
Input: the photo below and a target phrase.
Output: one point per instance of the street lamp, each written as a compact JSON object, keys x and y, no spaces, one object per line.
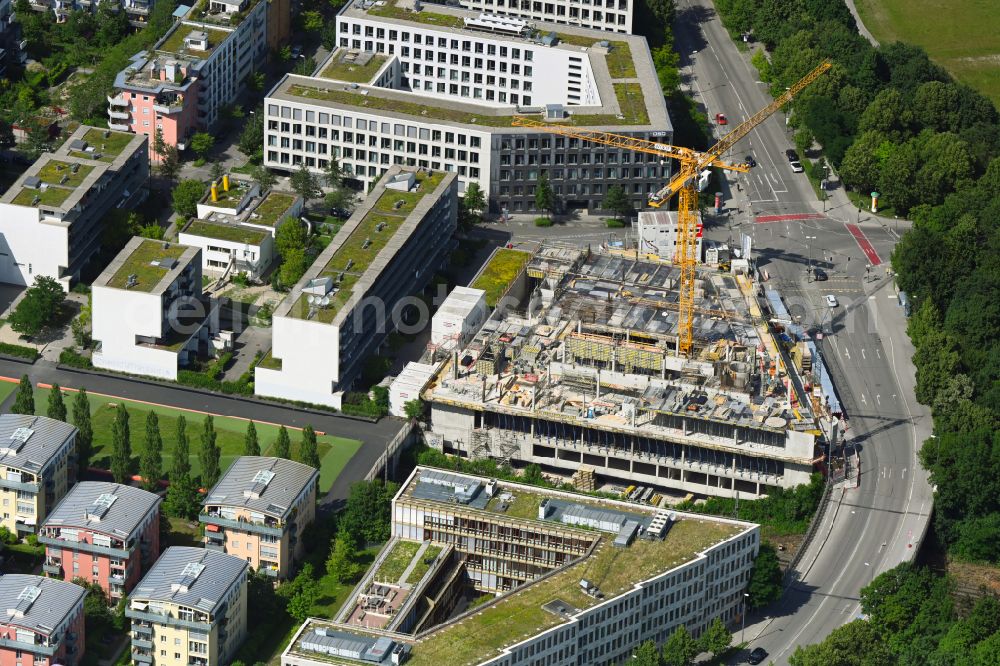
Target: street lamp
{"x":743,"y":627}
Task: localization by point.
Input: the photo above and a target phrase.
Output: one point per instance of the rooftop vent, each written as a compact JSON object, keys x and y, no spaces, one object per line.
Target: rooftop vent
{"x":188,"y":576}
{"x":25,"y":599}
{"x":259,"y":484}
{"x":132,"y":281}
{"x":34,"y":182}
{"x":167,"y":262}
{"x":100,"y":507}
{"x":78,"y":145}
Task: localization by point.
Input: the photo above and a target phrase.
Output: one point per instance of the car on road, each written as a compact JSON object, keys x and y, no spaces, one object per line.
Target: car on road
{"x":831,"y":300}
{"x":792,"y":155}
{"x":750,"y":161}
{"x":797,"y":167}
{"x":721,"y":119}
{"x":819,"y":275}
{"x":757,"y":656}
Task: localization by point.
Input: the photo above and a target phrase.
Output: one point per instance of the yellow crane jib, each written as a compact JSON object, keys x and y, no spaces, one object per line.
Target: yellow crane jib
{"x":692,"y":162}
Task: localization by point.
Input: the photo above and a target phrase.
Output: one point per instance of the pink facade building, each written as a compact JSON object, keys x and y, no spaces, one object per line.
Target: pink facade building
{"x":41,"y":623}
{"x":105,"y":533}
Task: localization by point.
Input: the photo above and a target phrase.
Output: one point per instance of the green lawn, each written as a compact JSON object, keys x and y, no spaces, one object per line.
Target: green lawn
{"x":334,"y":452}
{"x":184,"y":533}
{"x":339,"y":70}
{"x":140,"y":263}
{"x":53,"y":171}
{"x":397,"y":560}
{"x":271,"y":208}
{"x":6,"y":388}
{"x":500,"y":272}
{"x":235,"y":233}
{"x":390,"y":10}
{"x":422,"y":566}
{"x":50,"y":196}
{"x":109,"y":146}
{"x":961,"y":35}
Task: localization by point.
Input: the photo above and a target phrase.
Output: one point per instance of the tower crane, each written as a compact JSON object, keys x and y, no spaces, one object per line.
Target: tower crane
{"x":683,"y":184}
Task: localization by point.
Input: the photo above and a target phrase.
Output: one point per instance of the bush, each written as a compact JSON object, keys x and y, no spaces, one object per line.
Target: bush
{"x":20,"y":351}
{"x":614,"y":223}
{"x":74,"y":359}
{"x":543,"y":222}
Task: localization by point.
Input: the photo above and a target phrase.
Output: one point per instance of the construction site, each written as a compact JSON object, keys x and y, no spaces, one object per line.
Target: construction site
{"x":578,"y":371}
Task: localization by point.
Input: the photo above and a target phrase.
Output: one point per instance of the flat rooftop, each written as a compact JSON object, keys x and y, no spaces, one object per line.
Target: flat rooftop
{"x":150,"y":261}
{"x":540,"y":605}
{"x":235,"y":233}
{"x":355,"y":247}
{"x":173,"y":42}
{"x":352,"y":66}
{"x":599,"y":348}
{"x":98,"y":144}
{"x":623,"y":71}
{"x":272,"y":208}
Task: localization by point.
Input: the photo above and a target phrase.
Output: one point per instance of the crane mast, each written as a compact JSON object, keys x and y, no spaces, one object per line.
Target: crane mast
{"x":692,"y":162}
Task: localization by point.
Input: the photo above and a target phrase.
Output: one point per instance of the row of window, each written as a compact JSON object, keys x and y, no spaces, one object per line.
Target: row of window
{"x":465,"y":46}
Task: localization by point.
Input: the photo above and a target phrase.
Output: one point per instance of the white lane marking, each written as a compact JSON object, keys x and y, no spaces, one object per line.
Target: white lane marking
{"x":847,"y":353}
{"x":863,"y":355}
{"x":878,"y":353}
{"x":863,"y":401}
{"x":872,"y":297}
{"x":904,"y":472}
{"x":878,"y":399}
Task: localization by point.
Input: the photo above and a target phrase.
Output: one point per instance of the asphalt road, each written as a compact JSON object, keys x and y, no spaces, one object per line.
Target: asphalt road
{"x":374,"y":436}
{"x":872,"y":528}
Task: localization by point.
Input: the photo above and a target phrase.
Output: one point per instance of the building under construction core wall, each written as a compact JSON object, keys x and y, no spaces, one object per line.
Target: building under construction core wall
{"x":586,"y":375}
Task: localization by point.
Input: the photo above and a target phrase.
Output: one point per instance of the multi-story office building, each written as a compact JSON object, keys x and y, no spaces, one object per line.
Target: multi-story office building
{"x":38,"y":464}
{"x":353,"y":294}
{"x":609,"y":15}
{"x":44,"y":623}
{"x":438,"y":87}
{"x":259,"y":511}
{"x":53,"y":216}
{"x":200,"y":66}
{"x":106,"y":533}
{"x":149,"y":314}
{"x":236,"y":226}
{"x":587,"y":579}
{"x":191,"y":608}
{"x":587,"y":375}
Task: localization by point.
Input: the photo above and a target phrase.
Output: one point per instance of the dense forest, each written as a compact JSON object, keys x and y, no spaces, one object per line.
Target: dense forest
{"x":888,"y":118}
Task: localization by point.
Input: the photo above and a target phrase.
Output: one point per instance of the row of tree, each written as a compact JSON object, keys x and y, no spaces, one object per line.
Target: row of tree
{"x":681,"y":648}
{"x":888,"y":117}
{"x":183,"y":494}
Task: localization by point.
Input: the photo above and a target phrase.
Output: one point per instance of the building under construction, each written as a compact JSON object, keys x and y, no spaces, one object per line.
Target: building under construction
{"x":586,"y":375}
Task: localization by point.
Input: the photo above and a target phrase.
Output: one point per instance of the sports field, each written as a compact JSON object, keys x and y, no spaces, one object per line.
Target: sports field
{"x":334,"y":452}
{"x":961,"y":35}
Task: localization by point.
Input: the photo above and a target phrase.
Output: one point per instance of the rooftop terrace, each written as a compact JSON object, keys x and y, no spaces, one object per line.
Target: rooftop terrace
{"x":358,"y":247}
{"x":353,"y":66}
{"x":145,"y":263}
{"x":174,"y":42}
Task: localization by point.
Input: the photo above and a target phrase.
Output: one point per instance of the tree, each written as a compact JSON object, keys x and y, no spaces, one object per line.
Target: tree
{"x":95,"y":605}
{"x":474,"y":201}
{"x":680,"y":648}
{"x":217,"y":171}
{"x":209,"y":454}
{"x":304,"y":592}
{"x":765,"y":578}
{"x":646,"y":654}
{"x":159,"y":145}
{"x":544,"y":198}
{"x":312,"y":21}
{"x":251,"y":447}
{"x":342,"y":564}
{"x":151,"y":462}
{"x":121,"y":446}
{"x":283,"y":447}
{"x":57,"y":408}
{"x":170,"y":164}
{"x":854,"y":644}
{"x":39,"y":306}
{"x":293,"y":265}
{"x":290,"y":236}
{"x":183,"y":499}
{"x":201,"y":143}
{"x":304,"y":183}
{"x":333,"y":174}
{"x":85,"y":430}
{"x":414,"y":409}
{"x":24,"y":401}
{"x":307,"y":448}
{"x":617,"y":201}
{"x":263,"y":177}
{"x":366,"y":516}
{"x":252,"y":136}
{"x":340,"y":199}
{"x":716,"y":638}
{"x":663,"y":10}
{"x":186,"y":196}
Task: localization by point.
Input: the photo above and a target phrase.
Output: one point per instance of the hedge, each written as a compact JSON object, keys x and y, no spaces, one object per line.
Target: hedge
{"x":20,"y":351}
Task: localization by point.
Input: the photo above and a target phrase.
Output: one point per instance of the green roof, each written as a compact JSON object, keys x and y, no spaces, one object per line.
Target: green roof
{"x":141,"y":264}
{"x":109,"y":147}
{"x":630,"y":99}
{"x":174,"y":42}
{"x":50,"y":196}
{"x":272,"y":208}
{"x":230,"y":199}
{"x":353,"y":251}
{"x":235,"y":233}
{"x":339,"y":70}
{"x":53,"y":171}
{"x":501,"y":270}
{"x":483,"y":634}
{"x":390,"y":10}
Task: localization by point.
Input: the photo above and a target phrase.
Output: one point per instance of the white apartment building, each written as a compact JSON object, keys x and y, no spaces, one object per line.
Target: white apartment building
{"x":352,"y":295}
{"x":439,"y":88}
{"x":236,"y":231}
{"x":148,"y":310}
{"x":52,"y":218}
{"x":609,"y":15}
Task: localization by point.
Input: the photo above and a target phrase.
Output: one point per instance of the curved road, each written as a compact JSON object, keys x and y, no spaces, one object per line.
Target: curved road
{"x":871,"y":528}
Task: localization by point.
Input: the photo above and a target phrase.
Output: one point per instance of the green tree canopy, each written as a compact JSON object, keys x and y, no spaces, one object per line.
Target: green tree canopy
{"x":38,"y":307}
{"x":121,"y":446}
{"x":304,"y":182}
{"x":57,"y":408}
{"x":251,"y":447}
{"x":151,"y":461}
{"x":209,"y":454}
{"x":85,"y":430}
{"x":283,"y":445}
{"x":24,"y":401}
{"x":307,"y":448}
{"x":765,"y":578}
{"x":186,"y":196}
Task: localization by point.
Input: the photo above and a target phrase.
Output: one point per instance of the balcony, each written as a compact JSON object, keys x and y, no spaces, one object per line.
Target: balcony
{"x":24,"y":527}
{"x":54,"y":568}
{"x":34,"y":648}
{"x":168,"y":109}
{"x":216,"y":546}
{"x":269,"y":571}
{"x":243,"y":525}
{"x":119,"y":115}
{"x":116,"y":579}
{"x":168,"y":620}
{"x":119,"y":127}
{"x":28,"y":487}
{"x":142,"y":657}
{"x":143,"y":631}
{"x":142,"y":643}
{"x":84,"y":547}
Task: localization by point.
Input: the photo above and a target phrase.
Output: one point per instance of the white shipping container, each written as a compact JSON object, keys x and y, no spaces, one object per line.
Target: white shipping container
{"x":461,"y":315}
{"x":408,"y":385}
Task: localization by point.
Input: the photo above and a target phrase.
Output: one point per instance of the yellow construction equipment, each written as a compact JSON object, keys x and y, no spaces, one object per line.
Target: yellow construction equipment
{"x":684,"y":184}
